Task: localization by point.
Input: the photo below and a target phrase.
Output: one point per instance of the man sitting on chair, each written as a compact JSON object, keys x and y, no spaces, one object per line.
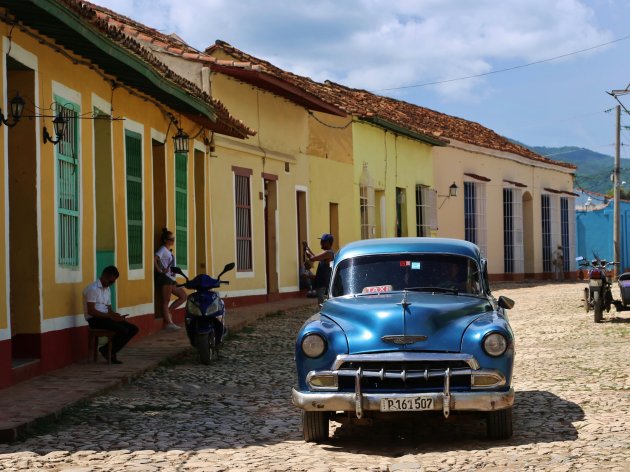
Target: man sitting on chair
{"x":97,"y":306}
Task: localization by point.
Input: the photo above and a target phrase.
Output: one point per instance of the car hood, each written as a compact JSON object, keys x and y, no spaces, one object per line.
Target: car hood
{"x":428,"y":322}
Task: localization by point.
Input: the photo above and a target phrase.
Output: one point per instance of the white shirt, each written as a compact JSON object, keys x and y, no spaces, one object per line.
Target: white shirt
{"x":167,"y":259}
{"x":97,"y":294}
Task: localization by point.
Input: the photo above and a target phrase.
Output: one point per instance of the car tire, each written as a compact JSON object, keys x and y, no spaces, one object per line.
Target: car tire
{"x":204,"y":342}
{"x":499,"y":424}
{"x":598,"y":309}
{"x":315,"y":426}
{"x":587,"y":295}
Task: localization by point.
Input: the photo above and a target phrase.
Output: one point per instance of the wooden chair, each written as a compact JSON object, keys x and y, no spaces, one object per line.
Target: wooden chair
{"x":93,"y":335}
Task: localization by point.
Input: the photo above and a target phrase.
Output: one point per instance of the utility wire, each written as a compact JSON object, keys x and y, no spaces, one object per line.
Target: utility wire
{"x":437,"y":82}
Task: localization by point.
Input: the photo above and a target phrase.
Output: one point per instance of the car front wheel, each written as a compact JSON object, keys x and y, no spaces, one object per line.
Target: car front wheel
{"x":315,"y":426}
{"x":499,"y":424}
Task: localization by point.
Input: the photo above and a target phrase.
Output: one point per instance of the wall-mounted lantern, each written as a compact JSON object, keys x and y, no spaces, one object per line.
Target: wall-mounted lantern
{"x":59,"y":123}
{"x":180,"y":142}
{"x":16,"y":107}
{"x":452,"y":192}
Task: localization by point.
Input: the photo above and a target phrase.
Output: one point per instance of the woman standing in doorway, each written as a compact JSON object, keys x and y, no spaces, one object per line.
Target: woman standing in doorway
{"x":165,"y":278}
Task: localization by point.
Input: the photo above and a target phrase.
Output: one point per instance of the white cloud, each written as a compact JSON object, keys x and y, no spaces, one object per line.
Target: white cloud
{"x":379,"y":44}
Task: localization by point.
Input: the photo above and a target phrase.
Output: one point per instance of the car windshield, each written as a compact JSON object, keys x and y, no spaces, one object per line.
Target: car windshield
{"x":420,"y":272}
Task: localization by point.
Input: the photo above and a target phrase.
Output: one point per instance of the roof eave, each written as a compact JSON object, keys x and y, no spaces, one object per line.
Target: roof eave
{"x":405,"y":131}
{"x":122,"y":61}
{"x":279,"y":87}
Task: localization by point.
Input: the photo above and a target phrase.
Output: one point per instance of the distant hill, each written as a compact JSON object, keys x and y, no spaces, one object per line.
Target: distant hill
{"x":593,"y":168}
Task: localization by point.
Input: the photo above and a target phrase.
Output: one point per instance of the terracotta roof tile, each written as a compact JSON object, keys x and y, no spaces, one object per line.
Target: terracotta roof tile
{"x":413,"y":117}
{"x":128,"y":32}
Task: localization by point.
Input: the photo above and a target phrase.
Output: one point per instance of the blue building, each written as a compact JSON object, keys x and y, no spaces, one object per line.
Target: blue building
{"x":594,"y":230}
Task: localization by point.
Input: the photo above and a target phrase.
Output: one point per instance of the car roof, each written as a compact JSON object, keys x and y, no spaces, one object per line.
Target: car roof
{"x":409,"y":245}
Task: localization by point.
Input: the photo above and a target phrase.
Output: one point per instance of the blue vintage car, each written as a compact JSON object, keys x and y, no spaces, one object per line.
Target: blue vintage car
{"x":410,"y":326}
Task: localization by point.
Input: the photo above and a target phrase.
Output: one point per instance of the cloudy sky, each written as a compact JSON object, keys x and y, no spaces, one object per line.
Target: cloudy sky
{"x":397,"y":47}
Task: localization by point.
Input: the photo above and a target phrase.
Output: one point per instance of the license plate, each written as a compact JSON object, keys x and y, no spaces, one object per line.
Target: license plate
{"x":407,"y":404}
{"x":595,"y":283}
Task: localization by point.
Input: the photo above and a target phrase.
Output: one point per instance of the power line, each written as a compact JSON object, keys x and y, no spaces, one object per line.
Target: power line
{"x":508,"y":68}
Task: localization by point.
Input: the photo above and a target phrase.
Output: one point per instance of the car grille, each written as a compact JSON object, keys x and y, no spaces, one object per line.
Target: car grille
{"x":400,"y":376}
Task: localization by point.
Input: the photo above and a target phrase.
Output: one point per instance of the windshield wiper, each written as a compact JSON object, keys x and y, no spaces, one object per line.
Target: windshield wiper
{"x":454,"y":291}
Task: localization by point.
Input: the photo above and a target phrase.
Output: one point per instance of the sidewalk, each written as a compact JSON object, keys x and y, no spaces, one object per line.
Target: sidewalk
{"x":45,"y":397}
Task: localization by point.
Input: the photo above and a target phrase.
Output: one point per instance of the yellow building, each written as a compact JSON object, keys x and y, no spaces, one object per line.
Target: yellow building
{"x":98,"y":192}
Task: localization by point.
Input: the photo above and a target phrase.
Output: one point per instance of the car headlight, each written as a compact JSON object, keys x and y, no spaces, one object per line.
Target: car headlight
{"x":313,"y":345}
{"x":495,"y":344}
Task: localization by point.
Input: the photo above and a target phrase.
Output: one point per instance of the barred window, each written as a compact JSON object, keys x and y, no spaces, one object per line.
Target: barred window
{"x":133,"y":153}
{"x":242,"y":200}
{"x":68,"y":186}
{"x":547,"y":237}
{"x":181,"y":210}
{"x":513,"y":255}
{"x":565,"y":232}
{"x":475,"y":214}
{"x":367,"y":204}
{"x":426,"y":210}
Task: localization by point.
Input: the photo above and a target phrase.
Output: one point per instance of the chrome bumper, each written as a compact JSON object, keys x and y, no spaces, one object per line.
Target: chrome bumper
{"x":457,"y":401}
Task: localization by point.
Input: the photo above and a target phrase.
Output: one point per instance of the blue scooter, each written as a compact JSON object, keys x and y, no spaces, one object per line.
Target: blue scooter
{"x":205,"y":313}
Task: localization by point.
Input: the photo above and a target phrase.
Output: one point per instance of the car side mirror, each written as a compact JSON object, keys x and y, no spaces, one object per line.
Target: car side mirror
{"x":505,"y":302}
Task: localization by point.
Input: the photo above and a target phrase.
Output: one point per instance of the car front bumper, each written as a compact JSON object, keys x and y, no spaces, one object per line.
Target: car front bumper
{"x":350,"y":401}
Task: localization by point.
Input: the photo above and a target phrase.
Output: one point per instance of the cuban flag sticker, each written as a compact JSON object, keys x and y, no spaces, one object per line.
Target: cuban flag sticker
{"x":405,"y":263}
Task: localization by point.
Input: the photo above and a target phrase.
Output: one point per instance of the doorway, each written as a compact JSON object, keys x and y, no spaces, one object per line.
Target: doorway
{"x":24,"y":298}
{"x":271,"y":239}
{"x":334,"y":224}
{"x":158,"y":152}
{"x":200,"y":211}
{"x":104,"y":196}
{"x":300,"y":205}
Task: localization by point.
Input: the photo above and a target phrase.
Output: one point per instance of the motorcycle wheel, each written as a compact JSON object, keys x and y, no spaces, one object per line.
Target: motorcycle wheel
{"x":598,"y":307}
{"x":204,"y":342}
{"x":587,"y":295}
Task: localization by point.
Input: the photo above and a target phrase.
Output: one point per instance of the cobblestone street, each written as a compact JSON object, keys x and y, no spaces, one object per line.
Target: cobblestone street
{"x":572,"y":411}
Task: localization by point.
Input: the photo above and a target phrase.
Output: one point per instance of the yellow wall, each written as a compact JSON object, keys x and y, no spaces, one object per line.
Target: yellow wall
{"x":392,"y":161}
{"x":61,"y":296}
{"x":282,"y":136}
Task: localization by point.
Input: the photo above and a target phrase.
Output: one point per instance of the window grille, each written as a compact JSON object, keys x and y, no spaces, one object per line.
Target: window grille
{"x":565,"y":232}
{"x":68,"y":187}
{"x":367,"y":205}
{"x":242,"y":198}
{"x":513,"y":258}
{"x":133,"y":152}
{"x":426,"y":210}
{"x":475,"y":214}
{"x":181,"y":210}
{"x":547,"y":237}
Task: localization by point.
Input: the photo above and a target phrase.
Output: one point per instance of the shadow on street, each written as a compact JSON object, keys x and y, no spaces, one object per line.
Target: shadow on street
{"x":539,"y":417}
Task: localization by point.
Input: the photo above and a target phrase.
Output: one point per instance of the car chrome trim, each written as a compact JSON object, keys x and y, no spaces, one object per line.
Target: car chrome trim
{"x":446,"y":398}
{"x":458,"y":401}
{"x":495,"y":375}
{"x":404,"y":339}
{"x":406,"y":357}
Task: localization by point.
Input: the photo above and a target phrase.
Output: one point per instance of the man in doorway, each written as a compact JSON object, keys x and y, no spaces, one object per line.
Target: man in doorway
{"x":97,"y":306}
{"x":324,"y":259}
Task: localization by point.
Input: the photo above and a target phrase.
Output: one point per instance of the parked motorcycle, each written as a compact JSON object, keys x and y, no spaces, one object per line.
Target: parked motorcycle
{"x":205,"y":313}
{"x":598,"y":294}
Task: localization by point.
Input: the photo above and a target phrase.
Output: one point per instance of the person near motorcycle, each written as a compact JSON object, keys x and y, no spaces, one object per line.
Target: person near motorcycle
{"x":97,"y":309}
{"x":325,"y":258}
{"x":165,"y":279}
{"x":558,"y":263}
